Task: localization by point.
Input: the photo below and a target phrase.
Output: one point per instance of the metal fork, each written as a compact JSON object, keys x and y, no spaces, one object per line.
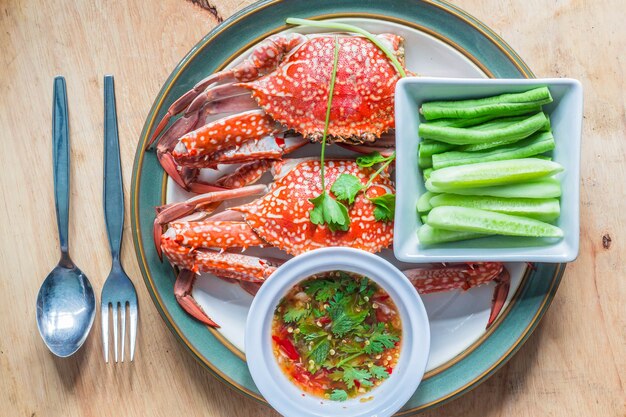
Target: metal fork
{"x":118,"y":292}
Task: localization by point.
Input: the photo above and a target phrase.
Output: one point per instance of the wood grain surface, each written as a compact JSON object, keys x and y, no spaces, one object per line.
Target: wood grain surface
{"x":573,"y":365}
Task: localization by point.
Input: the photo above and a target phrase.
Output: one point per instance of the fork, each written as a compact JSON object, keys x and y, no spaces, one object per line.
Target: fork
{"x":118,"y":291}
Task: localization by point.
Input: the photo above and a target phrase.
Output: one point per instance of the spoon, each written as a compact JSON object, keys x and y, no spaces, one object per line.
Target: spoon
{"x":66,"y":302}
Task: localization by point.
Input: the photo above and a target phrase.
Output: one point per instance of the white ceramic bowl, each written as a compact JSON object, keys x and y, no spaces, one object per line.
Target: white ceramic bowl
{"x":391,"y":395}
{"x":565,"y":114}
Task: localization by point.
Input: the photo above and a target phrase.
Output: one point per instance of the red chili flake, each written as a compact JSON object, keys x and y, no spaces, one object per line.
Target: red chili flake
{"x":324,"y":320}
{"x":389,"y":370}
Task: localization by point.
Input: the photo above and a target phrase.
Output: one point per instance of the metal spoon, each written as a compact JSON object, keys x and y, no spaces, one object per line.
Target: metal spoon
{"x":66,"y":302}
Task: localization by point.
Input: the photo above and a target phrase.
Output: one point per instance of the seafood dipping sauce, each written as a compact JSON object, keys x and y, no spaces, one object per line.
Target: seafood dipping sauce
{"x":336,"y":335}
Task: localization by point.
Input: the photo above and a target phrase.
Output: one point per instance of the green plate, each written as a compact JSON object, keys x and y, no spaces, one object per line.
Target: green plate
{"x":438,"y":19}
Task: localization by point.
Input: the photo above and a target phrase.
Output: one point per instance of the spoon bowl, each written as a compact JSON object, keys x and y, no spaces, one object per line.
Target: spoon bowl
{"x":65,"y":309}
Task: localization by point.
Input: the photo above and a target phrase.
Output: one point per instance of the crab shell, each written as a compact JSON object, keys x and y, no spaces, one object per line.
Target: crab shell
{"x":296,"y":92}
{"x":281,"y":217}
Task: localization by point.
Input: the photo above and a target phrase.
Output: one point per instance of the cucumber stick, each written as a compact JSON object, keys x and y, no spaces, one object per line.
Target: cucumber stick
{"x":493,"y":173}
{"x":543,"y":188}
{"x":534,"y":145}
{"x":424,"y":162}
{"x":501,"y":105}
{"x":509,"y":131}
{"x":428,"y":235}
{"x":544,"y":209}
{"x":423,"y":205}
{"x":464,"y":219}
{"x":430,"y":147}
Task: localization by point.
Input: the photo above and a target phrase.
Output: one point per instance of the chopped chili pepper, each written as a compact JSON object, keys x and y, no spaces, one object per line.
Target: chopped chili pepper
{"x":287,"y":347}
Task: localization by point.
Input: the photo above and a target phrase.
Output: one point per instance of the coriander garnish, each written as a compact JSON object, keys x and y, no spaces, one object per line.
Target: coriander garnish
{"x":336,"y":335}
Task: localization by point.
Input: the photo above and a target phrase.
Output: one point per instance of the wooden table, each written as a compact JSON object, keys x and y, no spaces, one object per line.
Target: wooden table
{"x":573,"y":365}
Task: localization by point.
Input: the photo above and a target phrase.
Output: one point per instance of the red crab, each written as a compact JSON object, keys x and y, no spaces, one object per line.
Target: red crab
{"x":282,"y":86}
{"x":205,"y":242}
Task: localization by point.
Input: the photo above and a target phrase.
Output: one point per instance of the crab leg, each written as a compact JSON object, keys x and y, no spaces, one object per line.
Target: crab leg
{"x":264,"y":58}
{"x":175,"y":211}
{"x":464,"y":276}
{"x":198,"y":118}
{"x":211,"y":234}
{"x":246,"y":174}
{"x":182,"y":291}
{"x":268,"y":147}
{"x":503,"y":284}
{"x":250,"y":271}
{"x":224,"y":133}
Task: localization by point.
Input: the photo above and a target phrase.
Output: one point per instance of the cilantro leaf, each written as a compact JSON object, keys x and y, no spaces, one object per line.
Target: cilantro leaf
{"x":327,"y":210}
{"x":351,"y":374}
{"x":370,"y":159}
{"x":294,"y":314}
{"x":346,"y":187}
{"x":317,"y":213}
{"x":352,"y":286}
{"x":338,"y":395}
{"x":385,"y":206}
{"x":320,"y":352}
{"x":379,"y":372}
{"x":380,"y":341}
{"x":322,"y":290}
{"x":311,"y":332}
{"x":344,"y":319}
{"x":364,"y":284}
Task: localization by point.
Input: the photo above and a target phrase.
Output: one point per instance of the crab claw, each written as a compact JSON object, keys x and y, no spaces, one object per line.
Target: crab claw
{"x":500,"y":294}
{"x":182,"y":291}
{"x":264,"y":58}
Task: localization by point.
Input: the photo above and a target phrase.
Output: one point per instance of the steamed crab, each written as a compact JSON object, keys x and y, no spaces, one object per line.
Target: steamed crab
{"x":281,"y":88}
{"x":199,"y":240}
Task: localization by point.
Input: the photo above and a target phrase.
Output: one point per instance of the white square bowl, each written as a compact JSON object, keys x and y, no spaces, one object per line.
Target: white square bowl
{"x":565,"y":114}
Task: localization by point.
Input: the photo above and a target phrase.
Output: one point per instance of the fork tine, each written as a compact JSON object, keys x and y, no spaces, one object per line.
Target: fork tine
{"x":115,"y":326}
{"x":104,"y":314}
{"x":123,"y":322}
{"x":132,"y":309}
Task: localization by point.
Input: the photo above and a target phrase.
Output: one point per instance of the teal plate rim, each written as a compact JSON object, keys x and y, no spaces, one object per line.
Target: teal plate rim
{"x":246,"y":27}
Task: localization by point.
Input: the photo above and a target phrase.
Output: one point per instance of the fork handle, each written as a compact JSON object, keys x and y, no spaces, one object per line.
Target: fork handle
{"x":113,"y":191}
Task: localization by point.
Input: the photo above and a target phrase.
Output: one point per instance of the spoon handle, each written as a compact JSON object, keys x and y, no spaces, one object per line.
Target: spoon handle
{"x":61,"y":160}
{"x":113,"y":191}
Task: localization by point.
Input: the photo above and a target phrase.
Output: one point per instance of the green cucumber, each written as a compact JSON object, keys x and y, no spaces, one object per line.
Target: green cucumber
{"x":471,"y":121}
{"x":465,"y":219}
{"x":428,"y":235}
{"x":502,"y":105}
{"x":543,"y":188}
{"x":544,"y":209}
{"x":423,"y":205}
{"x":424,"y":162}
{"x":509,"y":131}
{"x":534,"y":145}
{"x":485,"y":174}
{"x":430,"y":147}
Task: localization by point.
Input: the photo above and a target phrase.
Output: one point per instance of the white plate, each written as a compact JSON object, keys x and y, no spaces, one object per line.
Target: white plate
{"x":457,"y":319}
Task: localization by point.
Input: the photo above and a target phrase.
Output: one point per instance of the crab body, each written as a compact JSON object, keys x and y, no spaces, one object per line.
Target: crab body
{"x":282,"y":87}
